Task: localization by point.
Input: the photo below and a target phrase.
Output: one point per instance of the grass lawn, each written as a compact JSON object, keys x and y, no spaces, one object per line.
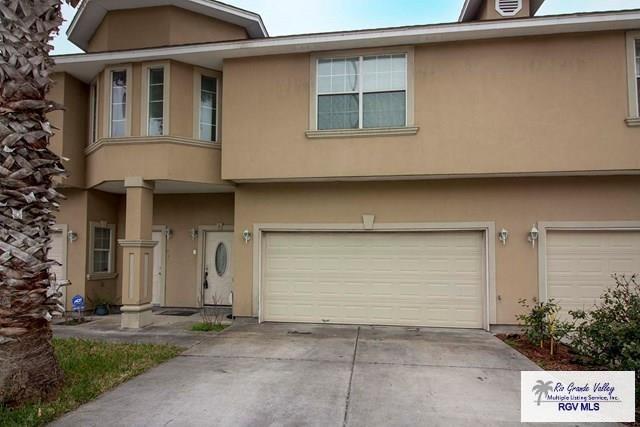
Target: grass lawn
{"x":207,"y":327}
{"x":90,"y":368}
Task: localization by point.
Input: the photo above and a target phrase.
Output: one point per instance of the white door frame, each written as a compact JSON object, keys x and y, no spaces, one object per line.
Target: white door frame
{"x":162,"y":246}
{"x":545,"y":226}
{"x":64,"y":228}
{"x":200,"y":248}
{"x":488,"y":229}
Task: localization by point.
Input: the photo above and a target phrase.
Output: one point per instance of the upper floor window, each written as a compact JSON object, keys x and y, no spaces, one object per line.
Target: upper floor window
{"x":637,"y":76}
{"x":93,"y":112}
{"x":156,"y":101}
{"x":118,"y":103}
{"x":633,"y":64}
{"x":362,"y":92}
{"x":208,"y":108}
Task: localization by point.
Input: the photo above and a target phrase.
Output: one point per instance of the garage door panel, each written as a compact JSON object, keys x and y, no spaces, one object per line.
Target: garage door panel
{"x":422,"y":279}
{"x":580,"y":264}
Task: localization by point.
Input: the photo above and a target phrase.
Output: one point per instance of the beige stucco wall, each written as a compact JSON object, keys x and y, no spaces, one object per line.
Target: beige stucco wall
{"x":73,"y":213}
{"x":159,"y":26}
{"x":181,"y":96}
{"x":181,"y":213}
{"x":514,"y":204}
{"x":154,"y":159}
{"x":70,"y":137}
{"x":79,"y":208}
{"x":538,"y":104}
{"x":102,"y":206}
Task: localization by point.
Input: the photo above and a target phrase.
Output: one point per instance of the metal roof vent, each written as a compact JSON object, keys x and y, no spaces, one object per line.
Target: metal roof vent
{"x":508,"y":7}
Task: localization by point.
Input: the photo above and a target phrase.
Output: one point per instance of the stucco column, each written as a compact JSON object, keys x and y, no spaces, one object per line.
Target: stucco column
{"x":137,"y":254}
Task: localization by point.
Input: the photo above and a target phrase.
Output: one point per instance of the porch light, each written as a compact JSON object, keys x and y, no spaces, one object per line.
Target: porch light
{"x":72,"y":236}
{"x":168,"y":233}
{"x":246,"y":236}
{"x":194,"y":233}
{"x":503,"y":235}
{"x":533,"y":235}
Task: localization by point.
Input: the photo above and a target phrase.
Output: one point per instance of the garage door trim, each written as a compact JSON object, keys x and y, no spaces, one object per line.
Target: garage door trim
{"x":545,"y":226}
{"x":488,"y":229}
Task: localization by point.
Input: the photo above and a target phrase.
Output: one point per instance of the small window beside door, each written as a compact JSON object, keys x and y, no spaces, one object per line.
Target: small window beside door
{"x":102,"y":248}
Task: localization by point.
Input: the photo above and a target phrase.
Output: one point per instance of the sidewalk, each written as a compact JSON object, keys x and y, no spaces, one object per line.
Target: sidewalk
{"x":165,"y":329}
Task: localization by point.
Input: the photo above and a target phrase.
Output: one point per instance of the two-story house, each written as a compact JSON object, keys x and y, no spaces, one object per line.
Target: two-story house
{"x":430,"y":175}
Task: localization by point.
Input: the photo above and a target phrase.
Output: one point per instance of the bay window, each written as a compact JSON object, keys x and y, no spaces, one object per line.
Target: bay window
{"x":155,"y":123}
{"x":118,"y":122}
{"x":208,"y":108}
{"x":633,"y":77}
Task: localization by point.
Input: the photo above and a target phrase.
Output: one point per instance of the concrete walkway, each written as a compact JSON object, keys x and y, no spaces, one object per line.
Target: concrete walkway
{"x":166,"y":329}
{"x":316,"y":375}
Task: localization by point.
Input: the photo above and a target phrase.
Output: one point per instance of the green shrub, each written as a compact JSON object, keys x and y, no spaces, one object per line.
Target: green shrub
{"x":541,"y":323}
{"x":609,"y":334}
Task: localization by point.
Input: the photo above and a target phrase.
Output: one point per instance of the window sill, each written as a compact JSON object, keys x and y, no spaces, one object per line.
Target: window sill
{"x":355,"y":133}
{"x":632,"y":121}
{"x":101,"y":276}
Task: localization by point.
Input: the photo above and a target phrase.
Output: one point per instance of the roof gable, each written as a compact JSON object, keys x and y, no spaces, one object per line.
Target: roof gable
{"x":92,"y":12}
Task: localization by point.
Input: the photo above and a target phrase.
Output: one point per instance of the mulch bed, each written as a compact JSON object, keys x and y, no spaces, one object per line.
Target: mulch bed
{"x":562,"y":360}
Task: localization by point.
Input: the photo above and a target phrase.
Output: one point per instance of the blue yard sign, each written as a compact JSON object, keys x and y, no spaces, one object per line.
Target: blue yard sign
{"x":78,"y":303}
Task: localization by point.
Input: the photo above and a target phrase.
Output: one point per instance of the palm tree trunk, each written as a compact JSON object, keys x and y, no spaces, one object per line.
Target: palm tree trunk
{"x":28,"y":368}
{"x":28,"y":201}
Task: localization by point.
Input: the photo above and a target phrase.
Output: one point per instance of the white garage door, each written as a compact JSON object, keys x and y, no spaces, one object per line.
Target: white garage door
{"x":412,"y":279}
{"x":580,"y":264}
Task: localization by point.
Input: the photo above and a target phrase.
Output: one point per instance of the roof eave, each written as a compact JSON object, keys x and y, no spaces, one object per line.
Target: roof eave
{"x":211,"y":55}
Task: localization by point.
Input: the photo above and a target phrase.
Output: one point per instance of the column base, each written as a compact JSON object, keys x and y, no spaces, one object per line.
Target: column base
{"x":136,"y":316}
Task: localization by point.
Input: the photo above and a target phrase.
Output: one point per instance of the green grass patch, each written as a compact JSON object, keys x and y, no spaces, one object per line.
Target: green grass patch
{"x":207,"y":327}
{"x":90,"y":368}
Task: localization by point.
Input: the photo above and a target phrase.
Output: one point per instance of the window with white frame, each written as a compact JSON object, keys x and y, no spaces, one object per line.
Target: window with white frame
{"x":637,"y":76}
{"x":118,"y":103}
{"x":156,"y":101}
{"x":362,"y":92}
{"x":93,"y":112}
{"x":208,"y":108}
{"x":102,"y":248}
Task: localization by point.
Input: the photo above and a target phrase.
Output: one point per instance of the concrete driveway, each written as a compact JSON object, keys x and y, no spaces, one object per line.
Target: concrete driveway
{"x":318,"y":375}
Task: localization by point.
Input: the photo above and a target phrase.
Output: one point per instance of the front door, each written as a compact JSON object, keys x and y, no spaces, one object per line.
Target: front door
{"x":157,"y":297}
{"x":218,"y":274}
{"x":57,"y":252}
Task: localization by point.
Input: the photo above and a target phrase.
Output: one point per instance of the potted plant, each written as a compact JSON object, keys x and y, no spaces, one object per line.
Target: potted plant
{"x":102,"y":305}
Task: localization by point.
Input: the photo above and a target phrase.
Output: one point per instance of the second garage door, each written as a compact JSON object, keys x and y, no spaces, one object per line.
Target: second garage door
{"x":412,"y":279}
{"x":580,"y":264}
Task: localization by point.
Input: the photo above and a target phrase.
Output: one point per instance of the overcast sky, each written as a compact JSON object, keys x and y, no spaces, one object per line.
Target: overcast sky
{"x":283,"y":17}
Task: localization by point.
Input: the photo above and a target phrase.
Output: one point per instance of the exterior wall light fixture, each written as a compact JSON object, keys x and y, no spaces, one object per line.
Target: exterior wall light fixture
{"x":246,"y":236}
{"x":168,"y":233}
{"x":533,"y":235}
{"x":72,"y":236}
{"x":194,"y":233}
{"x":503,"y":235}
